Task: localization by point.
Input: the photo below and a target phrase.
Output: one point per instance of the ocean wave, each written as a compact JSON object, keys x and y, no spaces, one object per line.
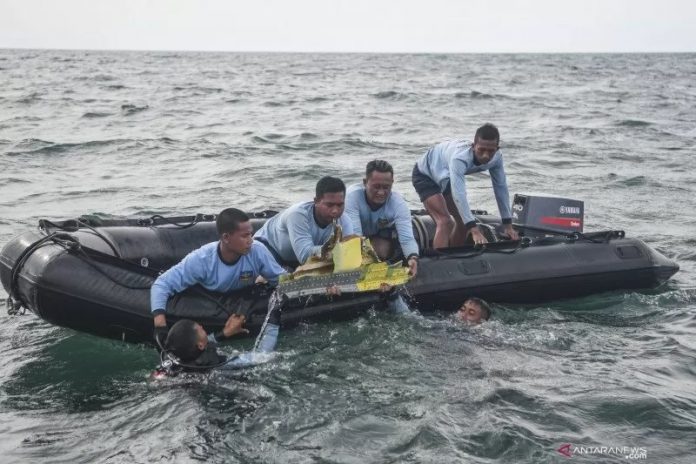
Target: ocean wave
{"x":115,"y":87}
{"x":30,"y":98}
{"x":633,"y":123}
{"x":275,"y":103}
{"x":335,"y":146}
{"x":633,"y":181}
{"x":76,"y":193}
{"x":267,"y":138}
{"x":129,"y":109}
{"x":389,"y":95}
{"x":37,"y":146}
{"x":95,"y":114}
{"x":14,"y":180}
{"x":196,"y":90}
{"x":474,"y":94}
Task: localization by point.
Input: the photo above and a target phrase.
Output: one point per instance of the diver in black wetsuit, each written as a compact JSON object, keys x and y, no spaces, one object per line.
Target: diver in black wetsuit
{"x":189,"y":349}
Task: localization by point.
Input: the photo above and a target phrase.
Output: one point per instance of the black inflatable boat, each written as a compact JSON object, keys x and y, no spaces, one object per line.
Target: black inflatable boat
{"x":94,"y":275}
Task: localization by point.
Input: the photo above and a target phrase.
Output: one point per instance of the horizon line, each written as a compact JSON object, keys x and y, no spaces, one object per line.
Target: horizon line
{"x":328,"y":52}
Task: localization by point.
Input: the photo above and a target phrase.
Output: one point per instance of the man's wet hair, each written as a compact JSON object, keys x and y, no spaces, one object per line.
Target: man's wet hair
{"x":329,"y":184}
{"x":182,"y":340}
{"x":487,"y":132}
{"x":379,"y":166}
{"x":229,"y":219}
{"x":485,"y":307}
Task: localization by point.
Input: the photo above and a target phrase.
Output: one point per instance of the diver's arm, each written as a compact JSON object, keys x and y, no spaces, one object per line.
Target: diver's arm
{"x":268,"y":342}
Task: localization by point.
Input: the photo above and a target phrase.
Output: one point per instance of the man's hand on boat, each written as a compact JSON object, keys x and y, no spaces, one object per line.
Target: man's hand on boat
{"x":413,"y":265}
{"x":510,"y":232}
{"x":233,"y":326}
{"x":160,"y":331}
{"x":333,"y":290}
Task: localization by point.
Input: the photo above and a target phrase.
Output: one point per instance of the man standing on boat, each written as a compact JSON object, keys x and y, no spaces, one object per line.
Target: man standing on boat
{"x":439,"y":179}
{"x":299,"y":232}
{"x":232,"y":263}
{"x":378,"y":213}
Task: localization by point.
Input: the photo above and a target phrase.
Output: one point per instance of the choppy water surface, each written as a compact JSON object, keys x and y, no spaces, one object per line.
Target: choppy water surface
{"x":135,"y":134}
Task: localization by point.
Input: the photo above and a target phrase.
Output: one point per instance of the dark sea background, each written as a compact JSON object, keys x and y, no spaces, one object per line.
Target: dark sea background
{"x":132,"y":134}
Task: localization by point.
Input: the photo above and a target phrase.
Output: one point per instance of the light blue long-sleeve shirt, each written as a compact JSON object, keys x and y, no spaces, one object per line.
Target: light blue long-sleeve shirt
{"x":295,"y":235}
{"x":267,"y":344}
{"x":205,"y":267}
{"x":452,"y":161}
{"x":394,"y":213}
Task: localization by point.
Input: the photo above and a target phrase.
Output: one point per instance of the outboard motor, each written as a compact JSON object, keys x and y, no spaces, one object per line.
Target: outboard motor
{"x":538,"y":215}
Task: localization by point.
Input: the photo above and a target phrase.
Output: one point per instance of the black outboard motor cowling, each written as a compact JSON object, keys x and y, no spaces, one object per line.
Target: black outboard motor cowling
{"x":538,"y":215}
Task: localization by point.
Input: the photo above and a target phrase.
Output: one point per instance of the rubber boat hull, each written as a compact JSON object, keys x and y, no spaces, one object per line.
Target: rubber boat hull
{"x":94,"y":276}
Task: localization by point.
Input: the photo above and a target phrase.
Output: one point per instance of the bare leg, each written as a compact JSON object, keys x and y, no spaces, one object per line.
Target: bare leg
{"x":460,"y":232}
{"x":436,"y":206}
{"x":382,"y":246}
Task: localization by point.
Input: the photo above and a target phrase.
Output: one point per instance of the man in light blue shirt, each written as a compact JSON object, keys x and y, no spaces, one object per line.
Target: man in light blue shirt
{"x":439,"y":179}
{"x":376,"y":212}
{"x":299,"y":232}
{"x":232,"y":263}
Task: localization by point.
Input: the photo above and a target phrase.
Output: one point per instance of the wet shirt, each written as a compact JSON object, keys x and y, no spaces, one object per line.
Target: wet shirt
{"x":261,"y":355}
{"x":295,"y":235}
{"x":205,"y":267}
{"x":450,"y":162}
{"x":394,"y":213}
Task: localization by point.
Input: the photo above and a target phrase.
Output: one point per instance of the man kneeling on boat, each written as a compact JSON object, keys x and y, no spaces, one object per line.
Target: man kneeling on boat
{"x":378,"y":213}
{"x":302,"y":230}
{"x":232,"y":263}
{"x":307,"y":230}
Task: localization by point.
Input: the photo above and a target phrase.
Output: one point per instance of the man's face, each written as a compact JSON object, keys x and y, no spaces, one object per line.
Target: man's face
{"x":470,"y":313}
{"x":329,"y":206}
{"x":484,"y":150}
{"x":378,"y":187}
{"x":240,"y":240}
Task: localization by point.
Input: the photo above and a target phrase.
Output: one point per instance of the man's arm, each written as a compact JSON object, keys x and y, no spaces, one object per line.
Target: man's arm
{"x":347,"y":225}
{"x":188,"y":272}
{"x":268,"y":342}
{"x":301,"y":238}
{"x":500,"y":189}
{"x":404,"y":228}
{"x":352,"y":211}
{"x":268,"y":266}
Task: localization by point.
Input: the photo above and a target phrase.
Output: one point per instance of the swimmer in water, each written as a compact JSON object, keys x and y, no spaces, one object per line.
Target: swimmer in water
{"x":474,"y":311}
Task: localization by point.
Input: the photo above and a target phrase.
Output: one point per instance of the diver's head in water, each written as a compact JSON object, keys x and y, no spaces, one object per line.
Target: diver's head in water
{"x":474,"y":311}
{"x":186,"y":340}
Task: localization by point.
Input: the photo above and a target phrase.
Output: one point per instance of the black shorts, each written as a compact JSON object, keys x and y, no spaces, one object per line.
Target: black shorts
{"x":425,"y":186}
